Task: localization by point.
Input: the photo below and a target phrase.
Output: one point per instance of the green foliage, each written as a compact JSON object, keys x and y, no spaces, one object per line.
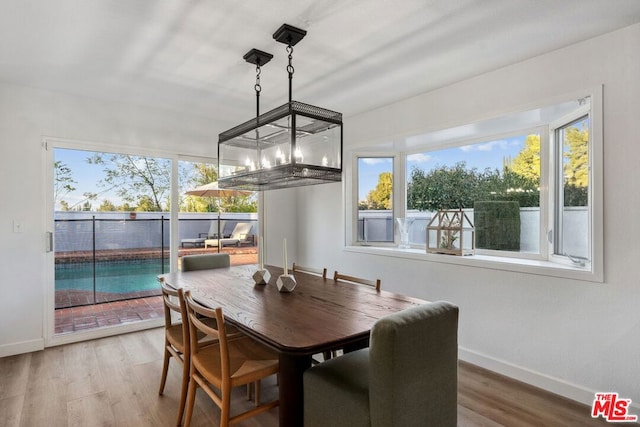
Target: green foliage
{"x":497,"y":225}
{"x":380,"y":197}
{"x":107,"y":206}
{"x":204,"y":173}
{"x":576,"y":165}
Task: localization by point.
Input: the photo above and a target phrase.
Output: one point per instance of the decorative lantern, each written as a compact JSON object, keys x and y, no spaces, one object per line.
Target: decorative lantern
{"x":293,"y":145}
{"x":450,"y":232}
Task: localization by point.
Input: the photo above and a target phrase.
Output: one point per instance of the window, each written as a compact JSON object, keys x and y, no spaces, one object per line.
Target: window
{"x":527,"y":180}
{"x":375,"y":199}
{"x":496,"y":182}
{"x":572,"y":178}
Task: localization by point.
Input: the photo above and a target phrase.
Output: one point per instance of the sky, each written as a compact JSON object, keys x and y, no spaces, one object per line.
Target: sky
{"x":482,"y":155}
{"x":86,"y":177}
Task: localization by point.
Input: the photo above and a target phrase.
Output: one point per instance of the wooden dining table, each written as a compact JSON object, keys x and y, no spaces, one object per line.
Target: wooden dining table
{"x":319,"y":315}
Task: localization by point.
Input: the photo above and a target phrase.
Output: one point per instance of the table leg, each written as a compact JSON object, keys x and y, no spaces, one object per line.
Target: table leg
{"x":291,"y":410}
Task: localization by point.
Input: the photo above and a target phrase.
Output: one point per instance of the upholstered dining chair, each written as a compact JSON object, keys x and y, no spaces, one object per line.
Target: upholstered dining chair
{"x":205,"y":261}
{"x":228,"y":363}
{"x":310,"y":270}
{"x":344,"y":278}
{"x":407,"y":377}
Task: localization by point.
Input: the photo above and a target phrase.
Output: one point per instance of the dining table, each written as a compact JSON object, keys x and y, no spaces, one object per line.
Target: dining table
{"x":318,"y":316}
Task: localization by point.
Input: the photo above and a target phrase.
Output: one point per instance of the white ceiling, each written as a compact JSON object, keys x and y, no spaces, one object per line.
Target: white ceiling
{"x":186,"y":55}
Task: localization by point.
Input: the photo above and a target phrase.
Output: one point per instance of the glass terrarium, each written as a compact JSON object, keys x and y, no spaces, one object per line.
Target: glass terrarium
{"x":450,"y":232}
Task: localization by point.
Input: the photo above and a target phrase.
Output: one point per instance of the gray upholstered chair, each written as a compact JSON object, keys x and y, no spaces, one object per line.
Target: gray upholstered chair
{"x":408,"y":377}
{"x":205,"y":261}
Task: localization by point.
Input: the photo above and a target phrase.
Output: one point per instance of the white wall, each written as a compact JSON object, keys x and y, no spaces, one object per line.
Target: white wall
{"x":569,"y":336}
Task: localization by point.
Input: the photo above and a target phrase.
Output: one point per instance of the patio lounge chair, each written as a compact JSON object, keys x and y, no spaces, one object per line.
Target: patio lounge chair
{"x":239,"y":234}
{"x":200,"y":240}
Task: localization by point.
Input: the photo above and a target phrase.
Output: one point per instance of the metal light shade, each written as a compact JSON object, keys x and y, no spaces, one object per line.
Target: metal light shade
{"x":293,"y":145}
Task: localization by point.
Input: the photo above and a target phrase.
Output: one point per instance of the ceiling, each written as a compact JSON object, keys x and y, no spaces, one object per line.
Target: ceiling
{"x":186,"y":55}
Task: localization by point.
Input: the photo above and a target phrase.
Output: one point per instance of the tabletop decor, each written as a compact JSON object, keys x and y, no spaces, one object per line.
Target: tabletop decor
{"x":286,"y":282}
{"x":404,"y":224}
{"x":262,"y":276}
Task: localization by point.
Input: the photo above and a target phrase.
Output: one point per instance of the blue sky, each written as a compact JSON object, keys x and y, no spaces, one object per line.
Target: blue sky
{"x":482,"y":155}
{"x":85,"y":175}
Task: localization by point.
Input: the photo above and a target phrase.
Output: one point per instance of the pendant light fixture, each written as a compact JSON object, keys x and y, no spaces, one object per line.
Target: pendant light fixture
{"x":293,"y":145}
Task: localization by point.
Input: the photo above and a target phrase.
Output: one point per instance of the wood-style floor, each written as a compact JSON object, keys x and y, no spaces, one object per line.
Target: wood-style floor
{"x":114,"y":382}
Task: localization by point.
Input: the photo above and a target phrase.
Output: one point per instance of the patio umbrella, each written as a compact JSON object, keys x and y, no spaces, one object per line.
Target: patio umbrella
{"x":212,"y":190}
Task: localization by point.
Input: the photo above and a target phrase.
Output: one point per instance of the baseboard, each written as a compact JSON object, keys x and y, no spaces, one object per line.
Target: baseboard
{"x":536,"y":379}
{"x":21,"y":347}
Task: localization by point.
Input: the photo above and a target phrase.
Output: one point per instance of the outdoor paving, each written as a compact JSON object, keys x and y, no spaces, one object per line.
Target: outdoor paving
{"x":141,"y":307}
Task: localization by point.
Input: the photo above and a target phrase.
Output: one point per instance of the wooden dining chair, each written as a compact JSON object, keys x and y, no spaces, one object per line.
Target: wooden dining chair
{"x":176,"y":340}
{"x":229,"y":362}
{"x":310,"y":270}
{"x":177,"y":344}
{"x":351,"y":279}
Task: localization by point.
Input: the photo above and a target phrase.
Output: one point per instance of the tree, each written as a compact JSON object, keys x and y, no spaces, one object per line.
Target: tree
{"x":380,"y":197}
{"x":144,"y":181}
{"x":576,"y":166}
{"x":107,"y":206}
{"x":63,"y":182}
{"x":527,"y":162}
{"x":205,"y":173}
{"x":445,"y":187}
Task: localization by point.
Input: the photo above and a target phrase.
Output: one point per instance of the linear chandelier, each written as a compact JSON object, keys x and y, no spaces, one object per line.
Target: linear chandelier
{"x":293,"y":145}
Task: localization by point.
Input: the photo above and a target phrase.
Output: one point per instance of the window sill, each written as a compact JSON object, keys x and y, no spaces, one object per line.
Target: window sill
{"x":529,"y":266}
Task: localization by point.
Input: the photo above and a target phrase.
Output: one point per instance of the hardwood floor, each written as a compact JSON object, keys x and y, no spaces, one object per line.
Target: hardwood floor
{"x":114,"y":382}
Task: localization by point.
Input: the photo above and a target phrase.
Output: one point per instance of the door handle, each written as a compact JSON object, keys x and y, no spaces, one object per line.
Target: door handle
{"x":49,"y":241}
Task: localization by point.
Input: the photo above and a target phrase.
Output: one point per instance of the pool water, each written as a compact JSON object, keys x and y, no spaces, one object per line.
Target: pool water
{"x":111,"y":276}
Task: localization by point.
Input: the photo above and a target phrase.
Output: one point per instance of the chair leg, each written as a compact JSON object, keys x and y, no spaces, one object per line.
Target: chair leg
{"x":191,"y":398}
{"x":165,"y":368}
{"x":257,"y":397}
{"x":225,"y":408}
{"x":183,"y":390}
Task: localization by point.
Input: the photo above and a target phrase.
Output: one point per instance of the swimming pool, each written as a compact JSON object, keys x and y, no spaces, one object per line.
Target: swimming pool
{"x":116,"y":277}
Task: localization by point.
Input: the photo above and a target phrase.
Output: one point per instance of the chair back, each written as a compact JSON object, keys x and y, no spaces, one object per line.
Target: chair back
{"x":310,"y":270}
{"x":173,"y":301}
{"x":214,"y":231}
{"x":414,"y":367}
{"x":241,"y":230}
{"x":343,"y":277}
{"x":215,"y":331}
{"x":205,"y":261}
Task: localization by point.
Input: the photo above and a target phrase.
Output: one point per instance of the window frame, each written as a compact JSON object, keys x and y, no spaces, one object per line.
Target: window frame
{"x":395,"y":203}
{"x":545,"y":263}
{"x":556,"y":178}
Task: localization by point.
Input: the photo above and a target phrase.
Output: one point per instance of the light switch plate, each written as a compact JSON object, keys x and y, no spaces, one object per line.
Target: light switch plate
{"x":17,"y":226}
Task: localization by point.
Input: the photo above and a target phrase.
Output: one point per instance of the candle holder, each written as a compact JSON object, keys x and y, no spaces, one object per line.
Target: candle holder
{"x":261,"y":276}
{"x":286,"y":283}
